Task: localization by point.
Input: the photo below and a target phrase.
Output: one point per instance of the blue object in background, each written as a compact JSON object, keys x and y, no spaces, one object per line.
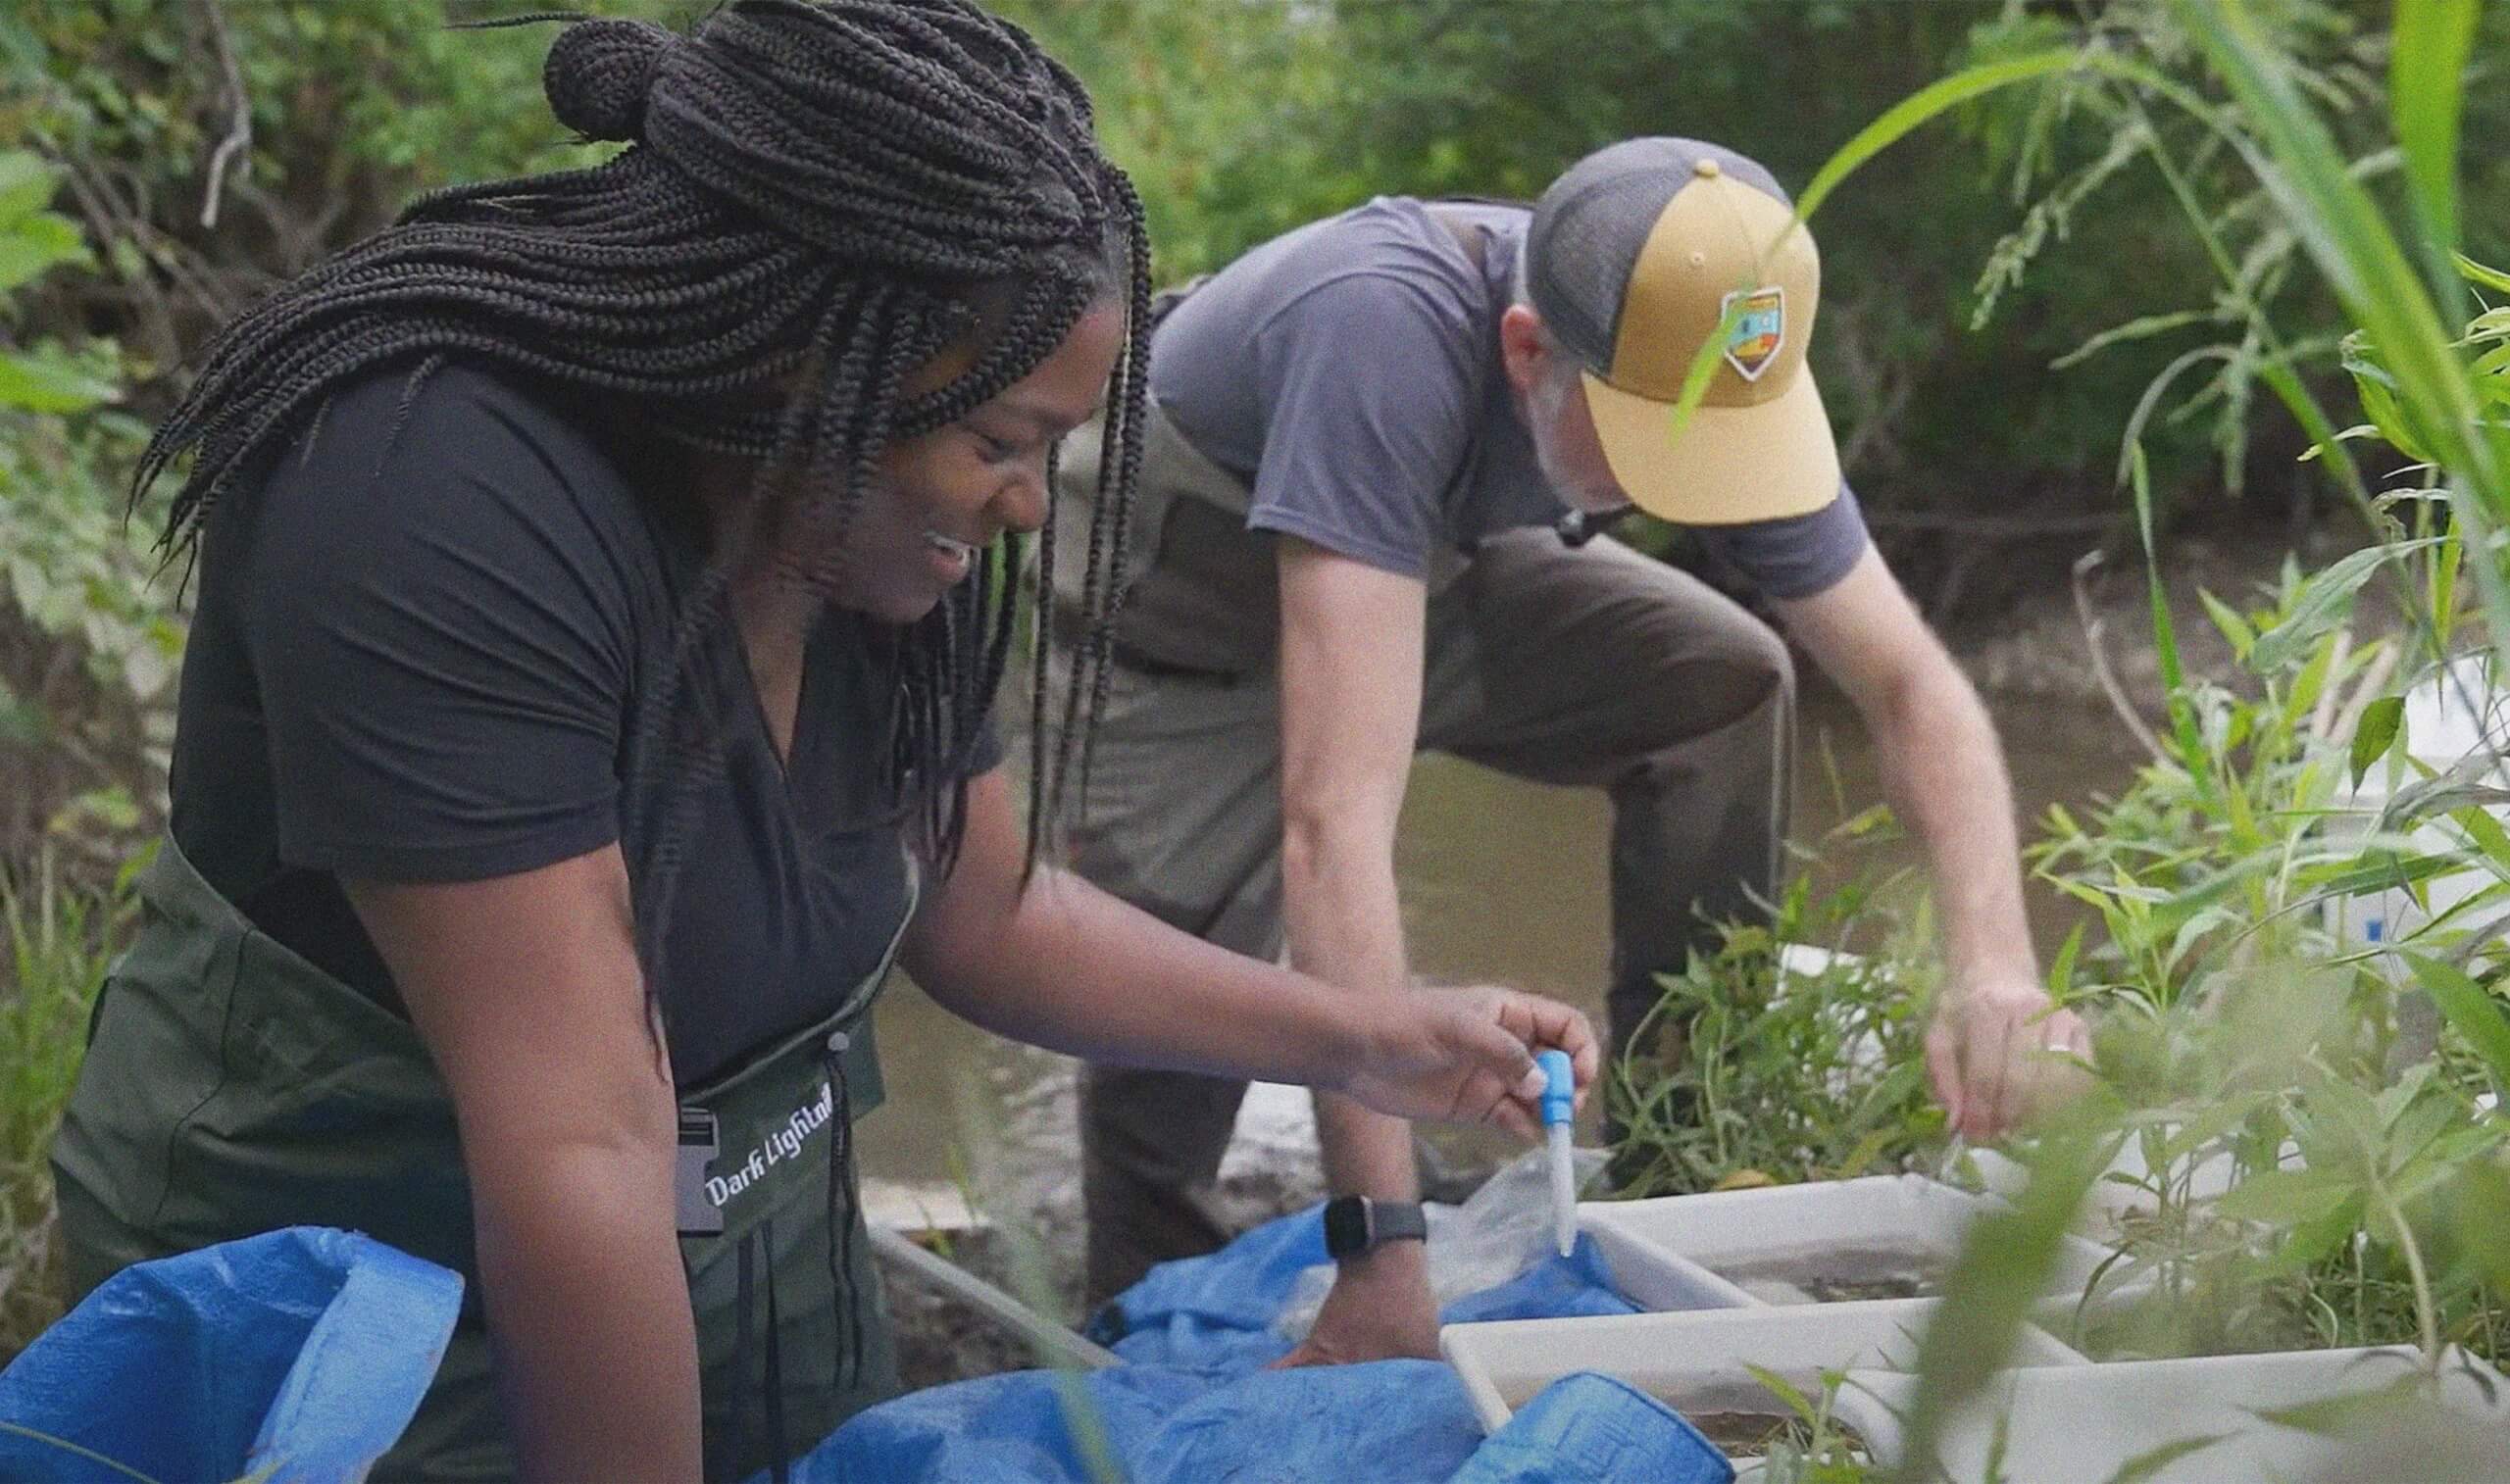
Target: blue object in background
{"x":1194,"y":1402}
{"x":301,"y":1352}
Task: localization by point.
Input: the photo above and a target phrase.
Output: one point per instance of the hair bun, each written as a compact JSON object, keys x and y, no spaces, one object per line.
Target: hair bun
{"x":599,"y":71}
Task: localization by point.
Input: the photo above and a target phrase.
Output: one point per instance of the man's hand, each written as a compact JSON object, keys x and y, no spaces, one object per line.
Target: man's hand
{"x":1998,"y":1052}
{"x":1465,"y":1055}
{"x":1379,"y":1310}
{"x":2001,"y":1052}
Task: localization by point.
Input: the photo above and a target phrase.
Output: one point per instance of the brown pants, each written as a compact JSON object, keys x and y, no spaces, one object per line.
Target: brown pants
{"x":1593,"y":666}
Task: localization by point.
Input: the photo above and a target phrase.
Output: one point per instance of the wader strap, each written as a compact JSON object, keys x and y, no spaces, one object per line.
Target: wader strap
{"x":840,"y":1222}
{"x":745,"y":1289}
{"x":779,"y":1447}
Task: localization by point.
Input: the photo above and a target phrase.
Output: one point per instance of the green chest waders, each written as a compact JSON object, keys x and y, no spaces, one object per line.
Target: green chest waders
{"x":233,"y":1088}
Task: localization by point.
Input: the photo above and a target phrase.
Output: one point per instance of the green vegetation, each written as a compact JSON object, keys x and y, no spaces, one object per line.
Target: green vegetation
{"x":58,"y":938}
{"x":2222,"y":218}
{"x":2242,"y":1030}
{"x":2249,"y":1036}
{"x":1813,"y":1072}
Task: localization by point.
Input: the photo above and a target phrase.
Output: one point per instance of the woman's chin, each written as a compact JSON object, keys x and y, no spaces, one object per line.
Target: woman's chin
{"x":902,"y":604}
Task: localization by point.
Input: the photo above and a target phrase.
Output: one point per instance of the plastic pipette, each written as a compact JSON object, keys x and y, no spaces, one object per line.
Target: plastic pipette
{"x":1559,"y":1111}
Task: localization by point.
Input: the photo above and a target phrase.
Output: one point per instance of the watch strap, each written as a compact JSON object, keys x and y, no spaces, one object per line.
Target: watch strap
{"x":1397,"y":1221}
{"x":1355,"y":1225}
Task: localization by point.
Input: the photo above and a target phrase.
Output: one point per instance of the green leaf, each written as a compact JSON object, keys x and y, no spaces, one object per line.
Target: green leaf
{"x":2381,"y":404}
{"x":1919,"y":107}
{"x":2143,"y":329}
{"x":2306,"y":1242}
{"x":2178,"y":906}
{"x":2333,"y":1416}
{"x":2283,"y":1196}
{"x":40,"y":383}
{"x":2003,"y":1268}
{"x":1785,"y":1391}
{"x":2174,"y":680}
{"x":2480,"y":276}
{"x":27,"y":185}
{"x":2469,"y":1008}
{"x":2205,"y":1127}
{"x":2487,"y":832}
{"x":35,"y":246}
{"x":73,"y":1449}
{"x":2234,"y":627}
{"x":2427,"y":73}
{"x":2382,"y":720}
{"x":2061,"y":970}
{"x":2480,"y":1204}
{"x":2153,"y":1461}
{"x":2353,"y":434}
{"x":2323,"y":600}
{"x":2345,"y":233}
{"x":1703,"y":370}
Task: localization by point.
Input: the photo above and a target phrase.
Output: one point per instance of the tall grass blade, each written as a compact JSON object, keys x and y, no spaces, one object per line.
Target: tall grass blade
{"x":2003,"y":1268}
{"x":2341,"y":226}
{"x":1919,"y":107}
{"x":2426,"y":72}
{"x":2151,"y":1462}
{"x":73,"y":1449}
{"x":2174,"y":674}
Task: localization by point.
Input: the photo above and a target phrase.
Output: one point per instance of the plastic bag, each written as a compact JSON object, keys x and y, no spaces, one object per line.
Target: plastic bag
{"x":1500,"y":1230}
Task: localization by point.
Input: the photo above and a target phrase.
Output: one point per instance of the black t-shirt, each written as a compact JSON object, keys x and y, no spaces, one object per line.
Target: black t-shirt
{"x":419,"y":651}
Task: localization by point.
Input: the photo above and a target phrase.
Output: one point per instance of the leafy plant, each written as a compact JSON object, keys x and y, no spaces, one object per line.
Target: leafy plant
{"x":1763,"y":1064}
{"x":1816,"y":1449}
{"x":2241,"y":1029}
{"x":87,"y":651}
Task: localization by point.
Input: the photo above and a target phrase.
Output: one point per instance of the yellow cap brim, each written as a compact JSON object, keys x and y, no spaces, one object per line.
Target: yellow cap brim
{"x":1731,"y":464}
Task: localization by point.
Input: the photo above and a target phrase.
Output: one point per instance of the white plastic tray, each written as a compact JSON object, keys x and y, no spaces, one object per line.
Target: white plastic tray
{"x":1749,"y":1239}
{"x":2081,"y":1425}
{"x":1696,"y":1361}
{"x":1654,"y":1279}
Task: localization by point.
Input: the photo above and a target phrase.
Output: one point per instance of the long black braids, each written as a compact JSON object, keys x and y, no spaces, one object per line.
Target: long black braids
{"x":818,"y":197}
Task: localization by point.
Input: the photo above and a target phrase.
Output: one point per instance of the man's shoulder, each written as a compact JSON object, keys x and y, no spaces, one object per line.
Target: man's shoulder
{"x":1389,"y":247}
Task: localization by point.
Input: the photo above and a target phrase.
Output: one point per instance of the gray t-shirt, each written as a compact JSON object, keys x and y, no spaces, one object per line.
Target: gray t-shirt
{"x":1349,"y":371}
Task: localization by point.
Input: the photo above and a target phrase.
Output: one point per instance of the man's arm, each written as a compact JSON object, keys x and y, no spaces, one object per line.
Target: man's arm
{"x":1944,"y":772}
{"x":1352,"y":638}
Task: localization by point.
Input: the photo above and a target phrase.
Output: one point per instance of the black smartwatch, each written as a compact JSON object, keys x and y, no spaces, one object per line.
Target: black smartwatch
{"x":1354,"y":1224}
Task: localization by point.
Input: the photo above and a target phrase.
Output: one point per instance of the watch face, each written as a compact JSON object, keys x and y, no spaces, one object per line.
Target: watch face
{"x":1347,"y":1226}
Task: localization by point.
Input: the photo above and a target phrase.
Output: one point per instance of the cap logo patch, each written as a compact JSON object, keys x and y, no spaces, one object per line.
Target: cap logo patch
{"x":1760,"y":328}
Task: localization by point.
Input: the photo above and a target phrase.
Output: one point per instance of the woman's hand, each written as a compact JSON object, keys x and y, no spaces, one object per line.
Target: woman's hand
{"x":1465,"y":1055}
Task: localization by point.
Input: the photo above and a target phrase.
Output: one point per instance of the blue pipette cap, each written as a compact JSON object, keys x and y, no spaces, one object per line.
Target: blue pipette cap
{"x":1559,"y":1087}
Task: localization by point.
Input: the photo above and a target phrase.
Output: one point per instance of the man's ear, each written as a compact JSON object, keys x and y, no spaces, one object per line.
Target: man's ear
{"x":1525,"y":351}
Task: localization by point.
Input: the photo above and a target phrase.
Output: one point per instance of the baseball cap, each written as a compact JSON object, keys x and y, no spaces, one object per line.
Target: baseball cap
{"x":1633,"y":258}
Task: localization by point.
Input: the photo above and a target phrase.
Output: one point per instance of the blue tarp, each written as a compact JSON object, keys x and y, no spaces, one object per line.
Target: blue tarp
{"x":305,"y":1351}
{"x":1194,"y":1405}
{"x":302,"y":1351}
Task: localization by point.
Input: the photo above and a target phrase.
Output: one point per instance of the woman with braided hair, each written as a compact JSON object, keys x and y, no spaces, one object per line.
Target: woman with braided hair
{"x":604,"y":580}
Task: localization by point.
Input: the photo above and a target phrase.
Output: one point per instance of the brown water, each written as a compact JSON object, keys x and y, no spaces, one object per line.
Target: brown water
{"x":1502,"y":881}
{"x":1841,"y":1274}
